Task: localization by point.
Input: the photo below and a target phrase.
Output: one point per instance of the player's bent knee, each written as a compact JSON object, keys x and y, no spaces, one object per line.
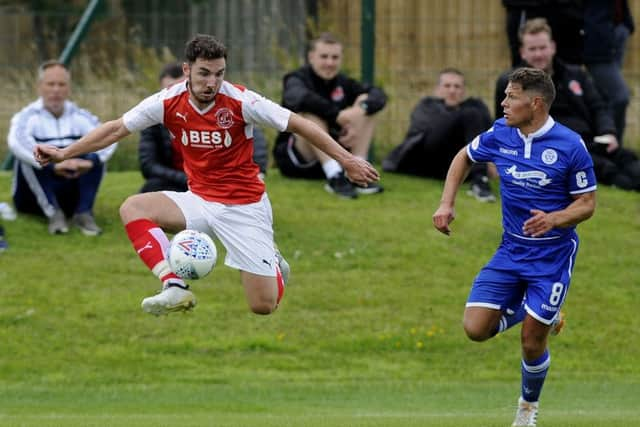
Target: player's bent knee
{"x":261,"y":292}
{"x":132,"y":208}
{"x":480,"y":324}
{"x":126,"y":210}
{"x":263,"y":307}
{"x":475,"y":332}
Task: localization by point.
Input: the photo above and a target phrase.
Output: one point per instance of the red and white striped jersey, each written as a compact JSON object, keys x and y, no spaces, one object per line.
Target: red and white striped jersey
{"x":216,"y":143}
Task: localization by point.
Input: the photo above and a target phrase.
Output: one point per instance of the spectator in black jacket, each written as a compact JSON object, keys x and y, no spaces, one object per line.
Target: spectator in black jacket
{"x":160,"y":160}
{"x":607,"y":26}
{"x":340,"y":105}
{"x":565,"y":17}
{"x":577,"y":105}
{"x":440,"y":126}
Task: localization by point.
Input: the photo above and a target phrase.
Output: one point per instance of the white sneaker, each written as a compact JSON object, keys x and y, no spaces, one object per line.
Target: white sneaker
{"x":172,"y":298}
{"x":284,"y":267}
{"x":526,"y":415}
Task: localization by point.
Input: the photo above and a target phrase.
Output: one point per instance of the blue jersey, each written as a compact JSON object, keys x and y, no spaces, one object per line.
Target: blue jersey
{"x":541,"y":171}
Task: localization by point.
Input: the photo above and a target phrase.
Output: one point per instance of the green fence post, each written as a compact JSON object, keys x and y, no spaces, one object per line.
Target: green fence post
{"x":67,"y":53}
{"x":79,"y":32}
{"x":368,"y":37}
{"x":367,"y":48}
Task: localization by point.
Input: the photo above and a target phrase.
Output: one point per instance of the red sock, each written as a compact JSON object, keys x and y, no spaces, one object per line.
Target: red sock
{"x":280,"y":281}
{"x":151,"y":244}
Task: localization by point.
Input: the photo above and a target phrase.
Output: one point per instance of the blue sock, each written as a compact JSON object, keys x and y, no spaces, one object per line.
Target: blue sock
{"x":533,"y":374}
{"x":509,"y":320}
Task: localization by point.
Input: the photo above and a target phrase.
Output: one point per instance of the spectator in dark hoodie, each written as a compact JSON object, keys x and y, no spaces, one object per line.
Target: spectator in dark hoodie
{"x":440,"y":126}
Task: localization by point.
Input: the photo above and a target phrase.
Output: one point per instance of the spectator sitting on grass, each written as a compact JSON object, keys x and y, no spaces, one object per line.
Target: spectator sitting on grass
{"x":342,"y":106}
{"x":440,"y":126}
{"x":68,"y":188}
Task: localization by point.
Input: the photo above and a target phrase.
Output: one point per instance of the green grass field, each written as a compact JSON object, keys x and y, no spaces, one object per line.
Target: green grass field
{"x":369,"y":333}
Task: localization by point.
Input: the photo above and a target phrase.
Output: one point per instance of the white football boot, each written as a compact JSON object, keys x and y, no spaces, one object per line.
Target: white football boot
{"x":558,"y":324}
{"x":284,"y":267}
{"x":173,"y":297}
{"x":526,"y":415}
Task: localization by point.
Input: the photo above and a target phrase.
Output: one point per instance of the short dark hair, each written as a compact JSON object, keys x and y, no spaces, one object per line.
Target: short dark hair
{"x":204,"y":46}
{"x":326,"y":38}
{"x":450,"y":70}
{"x":173,"y":70}
{"x":532,"y":79}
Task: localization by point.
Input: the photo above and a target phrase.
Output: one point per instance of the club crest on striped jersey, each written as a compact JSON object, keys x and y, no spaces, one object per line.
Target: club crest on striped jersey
{"x":224,"y":118}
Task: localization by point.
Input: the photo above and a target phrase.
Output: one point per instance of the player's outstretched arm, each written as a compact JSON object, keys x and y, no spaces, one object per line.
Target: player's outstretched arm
{"x":100,"y":137}
{"x":358,"y":170}
{"x":581,"y":209}
{"x":458,"y":171}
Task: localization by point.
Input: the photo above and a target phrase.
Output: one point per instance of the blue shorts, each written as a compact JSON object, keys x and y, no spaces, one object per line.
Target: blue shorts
{"x":539,"y":272}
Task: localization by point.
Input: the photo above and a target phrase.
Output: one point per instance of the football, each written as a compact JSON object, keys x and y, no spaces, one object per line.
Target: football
{"x":192,"y":254}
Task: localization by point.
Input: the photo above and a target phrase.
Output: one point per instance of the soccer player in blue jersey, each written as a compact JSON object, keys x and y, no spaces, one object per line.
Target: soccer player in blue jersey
{"x":547,"y":185}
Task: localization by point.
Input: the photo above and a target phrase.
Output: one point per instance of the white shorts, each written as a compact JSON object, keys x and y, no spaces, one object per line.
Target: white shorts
{"x":246,"y":231}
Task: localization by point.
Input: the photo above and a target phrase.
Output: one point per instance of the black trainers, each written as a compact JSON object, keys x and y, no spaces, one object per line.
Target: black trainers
{"x":481,"y":190}
{"x":341,"y":187}
{"x":371,"y":188}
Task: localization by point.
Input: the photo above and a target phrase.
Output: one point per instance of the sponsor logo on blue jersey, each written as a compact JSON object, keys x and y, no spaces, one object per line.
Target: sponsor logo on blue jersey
{"x":540,"y":176}
{"x":543,"y":170}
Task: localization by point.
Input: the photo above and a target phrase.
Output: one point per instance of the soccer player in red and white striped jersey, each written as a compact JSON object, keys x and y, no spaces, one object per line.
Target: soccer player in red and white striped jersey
{"x":212,"y":120}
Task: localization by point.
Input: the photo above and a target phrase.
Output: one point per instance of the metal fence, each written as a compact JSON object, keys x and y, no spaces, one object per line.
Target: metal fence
{"x":130,"y":39}
{"x":417,"y":38}
{"x":128,"y":42}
